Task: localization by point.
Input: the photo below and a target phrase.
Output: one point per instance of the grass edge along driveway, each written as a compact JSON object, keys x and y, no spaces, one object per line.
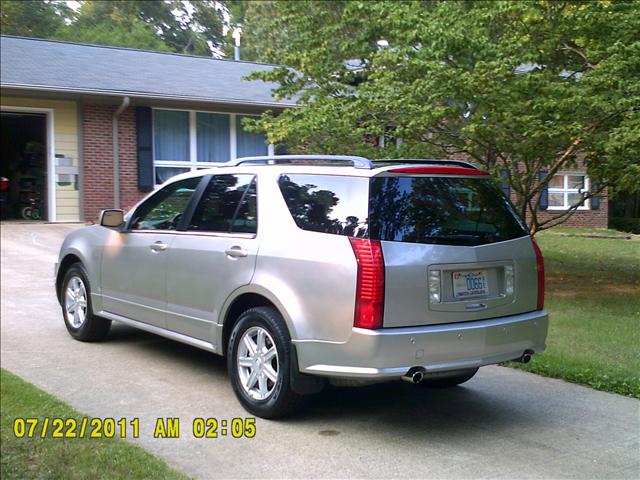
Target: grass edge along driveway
{"x":593,"y":300}
{"x":64,"y":458}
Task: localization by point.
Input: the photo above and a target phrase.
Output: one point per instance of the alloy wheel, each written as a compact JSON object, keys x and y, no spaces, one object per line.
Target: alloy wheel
{"x":75,"y":302}
{"x":257,"y":363}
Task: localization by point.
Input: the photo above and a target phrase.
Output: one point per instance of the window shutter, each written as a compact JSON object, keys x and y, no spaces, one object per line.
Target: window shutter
{"x":595,"y":201}
{"x":504,"y":183}
{"x":544,"y":194}
{"x":144,"y":138}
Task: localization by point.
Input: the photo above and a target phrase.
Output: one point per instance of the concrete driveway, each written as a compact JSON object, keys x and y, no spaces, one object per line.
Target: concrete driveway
{"x":503,"y":423}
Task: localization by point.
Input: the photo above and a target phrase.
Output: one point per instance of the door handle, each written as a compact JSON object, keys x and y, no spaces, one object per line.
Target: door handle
{"x":236,"y":252}
{"x":158,"y":246}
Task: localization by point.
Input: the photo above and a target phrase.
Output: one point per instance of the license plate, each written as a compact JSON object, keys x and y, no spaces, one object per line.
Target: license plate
{"x":470,"y":284}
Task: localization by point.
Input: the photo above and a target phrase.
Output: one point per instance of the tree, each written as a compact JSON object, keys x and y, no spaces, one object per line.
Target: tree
{"x":517,"y":87}
{"x":33,"y":18}
{"x":193,"y":27}
{"x":159,"y":25}
{"x":257,"y":21}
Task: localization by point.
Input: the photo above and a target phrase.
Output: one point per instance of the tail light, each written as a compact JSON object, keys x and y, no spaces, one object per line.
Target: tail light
{"x":370,"y":283}
{"x":540,"y":268}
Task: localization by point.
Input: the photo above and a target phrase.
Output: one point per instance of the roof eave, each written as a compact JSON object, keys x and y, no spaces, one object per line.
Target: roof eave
{"x":145,"y":95}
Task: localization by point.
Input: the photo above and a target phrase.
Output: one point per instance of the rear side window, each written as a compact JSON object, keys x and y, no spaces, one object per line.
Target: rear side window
{"x":441,"y":210}
{"x":327,"y":203}
{"x":228,"y":205}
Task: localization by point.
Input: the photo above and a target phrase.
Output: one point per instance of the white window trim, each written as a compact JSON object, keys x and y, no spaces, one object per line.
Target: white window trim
{"x":193,"y":163}
{"x":565,"y":190}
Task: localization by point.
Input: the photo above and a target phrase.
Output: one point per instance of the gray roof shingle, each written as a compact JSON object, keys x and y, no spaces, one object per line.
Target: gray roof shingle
{"x":62,"y":66}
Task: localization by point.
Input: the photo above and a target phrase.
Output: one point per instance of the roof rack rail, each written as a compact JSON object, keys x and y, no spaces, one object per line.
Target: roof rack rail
{"x":459,"y":163}
{"x":357,"y":162}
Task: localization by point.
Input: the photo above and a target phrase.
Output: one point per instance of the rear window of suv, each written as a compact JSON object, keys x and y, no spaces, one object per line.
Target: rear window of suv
{"x":431,"y":210}
{"x":441,"y":210}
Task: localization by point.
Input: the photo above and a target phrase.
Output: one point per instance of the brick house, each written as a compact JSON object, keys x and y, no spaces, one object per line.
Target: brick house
{"x":66,"y":108}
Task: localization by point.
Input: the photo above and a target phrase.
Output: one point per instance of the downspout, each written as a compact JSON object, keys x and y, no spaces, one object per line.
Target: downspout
{"x":116,"y":152}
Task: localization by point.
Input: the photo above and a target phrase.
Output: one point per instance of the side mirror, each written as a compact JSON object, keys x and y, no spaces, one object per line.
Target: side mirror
{"x":111,"y":218}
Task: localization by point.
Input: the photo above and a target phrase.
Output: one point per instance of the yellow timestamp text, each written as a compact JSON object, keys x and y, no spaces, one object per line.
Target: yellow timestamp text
{"x":161,"y":427}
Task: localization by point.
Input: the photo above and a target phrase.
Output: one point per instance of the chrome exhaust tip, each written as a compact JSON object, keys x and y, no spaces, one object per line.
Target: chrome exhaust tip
{"x":525,"y":358}
{"x":415,"y":375}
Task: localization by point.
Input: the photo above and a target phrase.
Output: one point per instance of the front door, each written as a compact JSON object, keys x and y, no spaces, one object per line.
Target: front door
{"x":214,"y":257}
{"x":134,"y":269}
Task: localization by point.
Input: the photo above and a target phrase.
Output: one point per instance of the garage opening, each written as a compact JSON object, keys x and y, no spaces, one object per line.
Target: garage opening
{"x":23,"y":167}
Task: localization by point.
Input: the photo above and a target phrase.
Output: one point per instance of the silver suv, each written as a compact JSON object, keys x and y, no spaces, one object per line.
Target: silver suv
{"x":303,"y":269}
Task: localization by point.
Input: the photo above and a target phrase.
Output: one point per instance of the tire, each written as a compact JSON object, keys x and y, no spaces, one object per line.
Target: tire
{"x":447,"y":382}
{"x":252,"y":381}
{"x":26,"y":213}
{"x":35,"y":214}
{"x":77,"y":311}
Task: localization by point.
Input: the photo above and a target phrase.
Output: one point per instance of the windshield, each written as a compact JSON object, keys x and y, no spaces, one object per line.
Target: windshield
{"x":441,"y":210}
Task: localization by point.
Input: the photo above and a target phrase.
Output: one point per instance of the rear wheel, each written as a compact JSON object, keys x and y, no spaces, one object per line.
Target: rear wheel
{"x":75,"y":296}
{"x":452,"y":381}
{"x":259,"y":363}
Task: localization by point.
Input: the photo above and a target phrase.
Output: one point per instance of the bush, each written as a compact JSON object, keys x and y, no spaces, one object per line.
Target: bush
{"x":625,"y":224}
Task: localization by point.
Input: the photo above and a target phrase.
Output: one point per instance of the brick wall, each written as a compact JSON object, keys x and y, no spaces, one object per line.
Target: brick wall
{"x":97,"y":159}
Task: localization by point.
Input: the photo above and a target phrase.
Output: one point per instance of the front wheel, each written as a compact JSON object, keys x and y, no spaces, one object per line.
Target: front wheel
{"x":259,"y":363}
{"x":75,"y":297}
{"x":452,"y":381}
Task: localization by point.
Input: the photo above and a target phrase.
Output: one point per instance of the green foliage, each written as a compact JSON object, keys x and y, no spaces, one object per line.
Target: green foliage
{"x":260,"y":37}
{"x":165,"y":25}
{"x":33,"y":18}
{"x":525,"y":86}
{"x":136,"y":33}
{"x":626,"y":224}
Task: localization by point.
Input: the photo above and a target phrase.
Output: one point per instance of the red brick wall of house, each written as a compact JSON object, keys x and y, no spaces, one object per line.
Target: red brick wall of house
{"x":97,"y":159}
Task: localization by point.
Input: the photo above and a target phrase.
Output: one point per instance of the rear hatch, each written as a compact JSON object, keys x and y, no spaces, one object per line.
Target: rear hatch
{"x":454,"y":249}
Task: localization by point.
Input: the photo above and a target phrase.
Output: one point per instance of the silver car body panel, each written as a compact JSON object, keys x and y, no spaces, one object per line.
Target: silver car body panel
{"x":407,"y":266}
{"x":201,"y":276}
{"x":310,"y":278}
{"x":436,"y":348}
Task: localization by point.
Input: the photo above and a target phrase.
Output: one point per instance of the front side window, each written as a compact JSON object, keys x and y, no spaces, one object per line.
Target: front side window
{"x":327,"y":203}
{"x":567,"y":190}
{"x":228,"y":205}
{"x":441,"y":210}
{"x":164,"y":210}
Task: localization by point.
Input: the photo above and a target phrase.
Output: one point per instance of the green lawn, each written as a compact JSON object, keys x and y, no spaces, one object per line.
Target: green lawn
{"x":593,"y":299}
{"x":58,"y":458}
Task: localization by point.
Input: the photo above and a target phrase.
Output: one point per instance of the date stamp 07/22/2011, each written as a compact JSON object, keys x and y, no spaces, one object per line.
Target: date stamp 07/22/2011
{"x":162,"y":427}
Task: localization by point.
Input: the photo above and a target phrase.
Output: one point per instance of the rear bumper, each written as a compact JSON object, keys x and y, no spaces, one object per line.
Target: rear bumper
{"x":389,"y":353}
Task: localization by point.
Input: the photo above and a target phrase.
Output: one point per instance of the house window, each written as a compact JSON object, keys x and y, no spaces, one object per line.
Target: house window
{"x":567,"y":190}
{"x":185,"y":140}
{"x":249,"y":144}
